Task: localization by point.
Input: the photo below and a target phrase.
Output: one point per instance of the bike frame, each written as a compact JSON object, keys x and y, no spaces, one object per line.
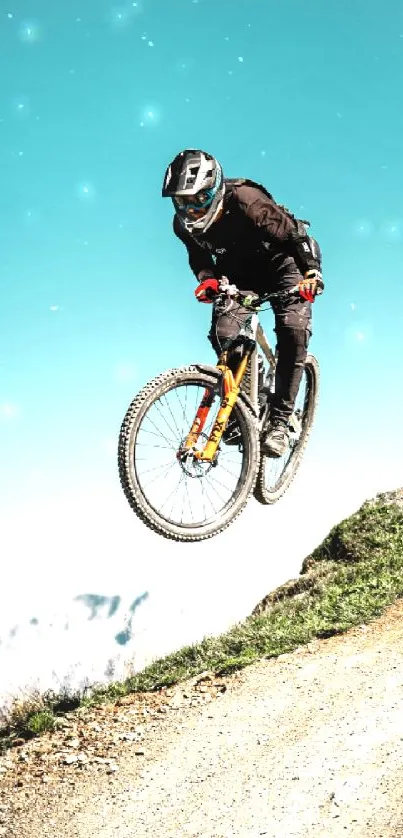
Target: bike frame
{"x":254,"y":336}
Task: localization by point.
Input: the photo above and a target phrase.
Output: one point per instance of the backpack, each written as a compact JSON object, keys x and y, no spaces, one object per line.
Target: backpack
{"x":302,"y":224}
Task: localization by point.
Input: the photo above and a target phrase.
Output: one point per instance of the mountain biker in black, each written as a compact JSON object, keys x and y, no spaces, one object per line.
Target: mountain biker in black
{"x":236,"y":230}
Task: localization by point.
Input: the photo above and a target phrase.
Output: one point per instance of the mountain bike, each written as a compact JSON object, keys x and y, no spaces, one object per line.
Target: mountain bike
{"x":185,"y":474}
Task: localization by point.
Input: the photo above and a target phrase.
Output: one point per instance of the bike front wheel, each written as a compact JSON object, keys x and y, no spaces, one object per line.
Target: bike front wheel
{"x":184,"y":500}
{"x":276,"y":474}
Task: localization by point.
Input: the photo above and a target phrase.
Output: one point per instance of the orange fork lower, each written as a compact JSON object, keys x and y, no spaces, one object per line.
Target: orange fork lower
{"x":231,"y":390}
{"x":200,"y":418}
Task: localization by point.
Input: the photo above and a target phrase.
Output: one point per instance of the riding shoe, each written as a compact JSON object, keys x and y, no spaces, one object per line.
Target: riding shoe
{"x":276,"y":441}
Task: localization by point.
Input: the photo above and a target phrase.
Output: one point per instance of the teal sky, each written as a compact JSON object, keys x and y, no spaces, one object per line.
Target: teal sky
{"x":96,"y":295}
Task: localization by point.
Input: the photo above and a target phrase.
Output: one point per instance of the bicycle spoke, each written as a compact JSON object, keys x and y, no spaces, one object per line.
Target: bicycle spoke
{"x":215,"y":509}
{"x":212,"y":483}
{"x":171,"y":443}
{"x":173,"y":492}
{"x":158,"y":433}
{"x":210,"y":486}
{"x":227,"y":470}
{"x":189,"y":501}
{"x":173,"y":416}
{"x":159,"y":409}
{"x":184,"y":413}
{"x":191,"y":491}
{"x":157,"y":476}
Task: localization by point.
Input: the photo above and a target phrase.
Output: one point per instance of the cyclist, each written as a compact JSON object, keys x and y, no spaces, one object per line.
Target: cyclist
{"x":233,"y":228}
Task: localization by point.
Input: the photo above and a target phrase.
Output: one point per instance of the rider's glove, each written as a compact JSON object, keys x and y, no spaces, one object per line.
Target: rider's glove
{"x":207,"y":290}
{"x":311,"y":285}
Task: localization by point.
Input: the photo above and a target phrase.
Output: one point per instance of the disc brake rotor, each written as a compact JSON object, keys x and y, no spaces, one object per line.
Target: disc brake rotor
{"x":191,"y":465}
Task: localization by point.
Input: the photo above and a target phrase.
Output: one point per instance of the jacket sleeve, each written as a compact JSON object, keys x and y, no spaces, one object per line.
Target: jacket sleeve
{"x":274,"y":225}
{"x":201,"y":261}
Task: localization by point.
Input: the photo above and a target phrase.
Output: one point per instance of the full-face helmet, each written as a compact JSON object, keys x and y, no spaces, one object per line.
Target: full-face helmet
{"x":195,"y":182}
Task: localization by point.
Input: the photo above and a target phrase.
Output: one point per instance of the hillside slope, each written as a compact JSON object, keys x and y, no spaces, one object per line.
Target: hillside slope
{"x":308,"y":742}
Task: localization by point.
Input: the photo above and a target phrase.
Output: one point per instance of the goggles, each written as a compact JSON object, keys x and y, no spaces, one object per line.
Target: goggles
{"x":200,"y":201}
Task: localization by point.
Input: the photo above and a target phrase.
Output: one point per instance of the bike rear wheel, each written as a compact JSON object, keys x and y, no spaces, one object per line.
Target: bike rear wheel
{"x":277,"y":473}
{"x":184,"y":500}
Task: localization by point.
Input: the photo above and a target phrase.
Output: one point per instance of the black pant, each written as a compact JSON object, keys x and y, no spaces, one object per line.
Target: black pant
{"x":293,"y":319}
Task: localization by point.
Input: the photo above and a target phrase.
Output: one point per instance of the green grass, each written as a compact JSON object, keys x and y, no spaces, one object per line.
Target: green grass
{"x":349,"y":579}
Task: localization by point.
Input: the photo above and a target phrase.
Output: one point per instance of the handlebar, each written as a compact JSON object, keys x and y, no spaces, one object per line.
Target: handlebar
{"x":254,"y":301}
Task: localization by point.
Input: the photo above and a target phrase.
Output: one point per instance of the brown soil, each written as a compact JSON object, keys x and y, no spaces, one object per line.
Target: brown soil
{"x":310,"y":743}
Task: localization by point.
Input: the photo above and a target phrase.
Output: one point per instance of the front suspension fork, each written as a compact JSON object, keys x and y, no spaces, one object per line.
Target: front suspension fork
{"x":231,"y":385}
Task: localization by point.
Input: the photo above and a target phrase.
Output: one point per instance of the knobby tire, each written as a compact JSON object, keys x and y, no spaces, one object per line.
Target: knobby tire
{"x":152,"y":517}
{"x":266,"y":495}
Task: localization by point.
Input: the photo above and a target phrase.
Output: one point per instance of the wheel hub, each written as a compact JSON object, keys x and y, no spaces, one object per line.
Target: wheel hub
{"x":192,"y":466}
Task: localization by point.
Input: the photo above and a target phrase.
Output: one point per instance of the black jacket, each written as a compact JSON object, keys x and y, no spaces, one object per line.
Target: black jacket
{"x":251,"y":242}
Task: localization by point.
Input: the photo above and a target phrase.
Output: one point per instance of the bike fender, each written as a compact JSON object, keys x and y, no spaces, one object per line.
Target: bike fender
{"x":211,"y":370}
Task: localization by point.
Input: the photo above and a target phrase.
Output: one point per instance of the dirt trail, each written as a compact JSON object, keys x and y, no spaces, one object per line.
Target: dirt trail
{"x":310,"y":743}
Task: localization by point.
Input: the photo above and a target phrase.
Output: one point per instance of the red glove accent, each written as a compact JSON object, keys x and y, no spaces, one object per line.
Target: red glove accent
{"x":311,"y":285}
{"x":305,"y":294}
{"x":207,"y":290}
